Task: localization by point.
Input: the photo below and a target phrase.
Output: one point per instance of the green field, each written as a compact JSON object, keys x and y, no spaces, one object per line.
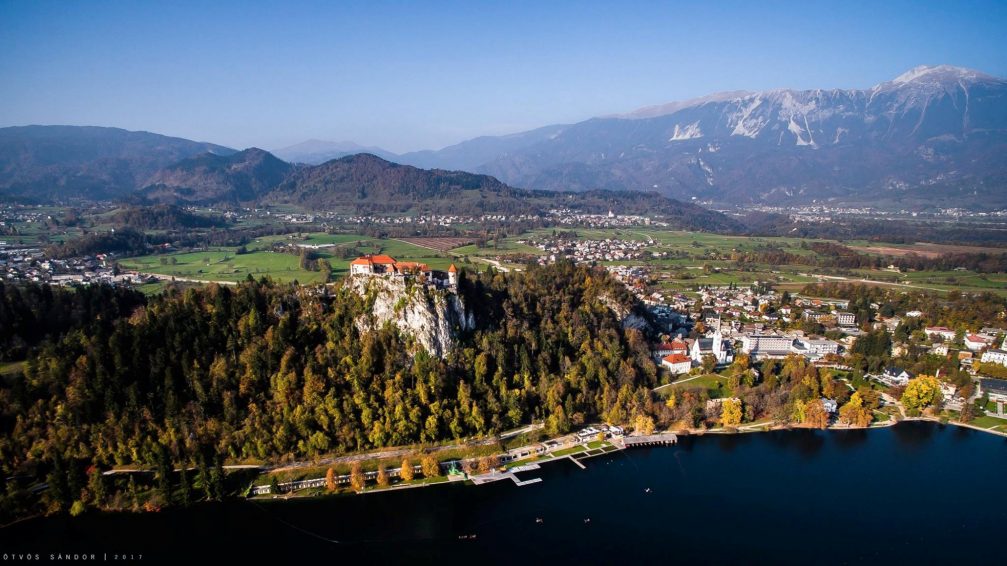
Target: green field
{"x":708,"y":260}
{"x":715,"y":385}
{"x":224,"y":264}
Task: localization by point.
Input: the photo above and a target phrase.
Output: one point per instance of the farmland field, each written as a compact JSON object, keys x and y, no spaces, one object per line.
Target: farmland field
{"x":437,"y":244}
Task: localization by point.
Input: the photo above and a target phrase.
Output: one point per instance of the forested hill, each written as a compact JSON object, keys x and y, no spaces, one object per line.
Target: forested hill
{"x":269,"y":371}
{"x":370,"y":184}
{"x":43,"y":163}
{"x":367,"y":180}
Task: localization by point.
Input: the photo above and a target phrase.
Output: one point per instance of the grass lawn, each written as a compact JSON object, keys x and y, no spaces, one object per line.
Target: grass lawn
{"x":714,"y":384}
{"x":986,"y":421}
{"x":597,"y":444}
{"x":568,"y":451}
{"x":517,"y":463}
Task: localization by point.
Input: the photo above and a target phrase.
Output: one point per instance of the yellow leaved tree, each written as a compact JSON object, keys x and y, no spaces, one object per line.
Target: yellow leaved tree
{"x":730,"y":412}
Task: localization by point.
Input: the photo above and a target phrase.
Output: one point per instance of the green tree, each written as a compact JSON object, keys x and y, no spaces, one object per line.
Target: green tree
{"x":709,"y":363}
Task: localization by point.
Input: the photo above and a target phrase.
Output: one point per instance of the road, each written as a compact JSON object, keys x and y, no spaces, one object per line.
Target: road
{"x":169,"y":278}
{"x":868,"y":281}
{"x":380,"y":455}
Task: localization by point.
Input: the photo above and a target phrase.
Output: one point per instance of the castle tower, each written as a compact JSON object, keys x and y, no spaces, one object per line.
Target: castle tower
{"x":453,"y":275}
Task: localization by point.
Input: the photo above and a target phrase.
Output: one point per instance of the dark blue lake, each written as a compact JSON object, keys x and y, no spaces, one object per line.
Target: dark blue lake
{"x":914,"y":493}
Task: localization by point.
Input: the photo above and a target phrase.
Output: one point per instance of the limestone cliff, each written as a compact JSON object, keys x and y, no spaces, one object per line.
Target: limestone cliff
{"x":432,"y":317}
{"x":628,"y":315}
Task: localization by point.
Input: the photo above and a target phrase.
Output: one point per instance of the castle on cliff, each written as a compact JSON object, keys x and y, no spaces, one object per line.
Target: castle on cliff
{"x":380,"y":265}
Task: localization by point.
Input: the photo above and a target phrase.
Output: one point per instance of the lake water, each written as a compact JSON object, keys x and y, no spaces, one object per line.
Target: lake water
{"x":917,"y":492}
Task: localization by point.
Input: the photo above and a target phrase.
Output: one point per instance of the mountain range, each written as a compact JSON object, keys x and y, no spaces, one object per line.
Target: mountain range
{"x":366,"y":183}
{"x":934,"y":136}
{"x":316,"y":152}
{"x":65,"y":162}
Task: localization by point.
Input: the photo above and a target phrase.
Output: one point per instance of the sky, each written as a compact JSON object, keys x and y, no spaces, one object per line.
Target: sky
{"x":422,"y":75}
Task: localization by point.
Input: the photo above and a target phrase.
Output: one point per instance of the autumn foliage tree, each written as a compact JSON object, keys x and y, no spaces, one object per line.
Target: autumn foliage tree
{"x":644,"y":424}
{"x":431,"y":468}
{"x":357,"y":480}
{"x":406,"y":470}
{"x":854,"y":412}
{"x":815,"y":414}
{"x":330,"y":479}
{"x":921,"y":392}
{"x":730,"y":412}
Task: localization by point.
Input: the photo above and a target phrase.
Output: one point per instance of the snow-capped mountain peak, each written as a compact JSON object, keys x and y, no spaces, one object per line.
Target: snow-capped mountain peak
{"x":939,"y":74}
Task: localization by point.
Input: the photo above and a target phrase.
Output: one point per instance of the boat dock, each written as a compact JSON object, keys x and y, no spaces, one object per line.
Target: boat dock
{"x":651,"y":440}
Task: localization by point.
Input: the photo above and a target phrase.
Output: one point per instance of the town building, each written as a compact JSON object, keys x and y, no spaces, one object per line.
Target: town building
{"x":815,"y":347}
{"x":976,"y":342}
{"x":714,"y":346}
{"x":995,"y":388}
{"x":942,"y":331}
{"x":846,"y":319}
{"x":676,"y":346}
{"x":677,"y":363}
{"x":995,"y":356}
{"x":761,"y":346}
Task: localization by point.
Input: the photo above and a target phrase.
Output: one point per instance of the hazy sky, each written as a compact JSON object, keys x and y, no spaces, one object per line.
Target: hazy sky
{"x":414,"y":75}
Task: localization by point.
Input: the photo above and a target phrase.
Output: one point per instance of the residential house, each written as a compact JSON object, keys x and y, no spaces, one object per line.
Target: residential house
{"x":830,"y":405}
{"x":895,"y":376}
{"x":976,"y":342}
{"x":950,"y":393}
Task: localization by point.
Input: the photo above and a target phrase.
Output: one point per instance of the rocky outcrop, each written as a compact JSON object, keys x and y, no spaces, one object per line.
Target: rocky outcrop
{"x":432,"y":317}
{"x":626,"y":315}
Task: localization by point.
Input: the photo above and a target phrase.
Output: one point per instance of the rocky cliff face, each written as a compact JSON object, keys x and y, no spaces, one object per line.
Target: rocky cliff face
{"x":432,"y":317}
{"x":626,"y":315}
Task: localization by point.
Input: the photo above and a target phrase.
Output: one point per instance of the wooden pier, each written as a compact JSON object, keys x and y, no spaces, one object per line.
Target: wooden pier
{"x":651,"y":440}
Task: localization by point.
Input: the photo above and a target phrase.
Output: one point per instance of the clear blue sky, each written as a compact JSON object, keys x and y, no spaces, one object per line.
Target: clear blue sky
{"x":413,"y":75}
